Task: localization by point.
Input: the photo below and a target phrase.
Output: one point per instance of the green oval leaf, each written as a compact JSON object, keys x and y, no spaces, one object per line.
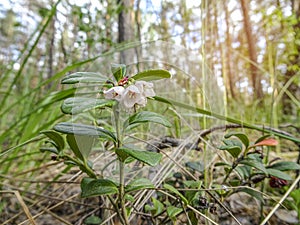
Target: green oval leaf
{"x":285,"y":165}
{"x":150,"y":158}
{"x":256,"y":194}
{"x":86,"y":130}
{"x":176,"y":192}
{"x":80,"y":145}
{"x":197,"y":166}
{"x":157,"y":207}
{"x":233,"y":143}
{"x":56,"y":137}
{"x":279,"y":174}
{"x":95,"y":187}
{"x":233,"y":150}
{"x":234,"y":147}
{"x":243,"y":138}
{"x":80,"y":104}
{"x":173,"y":211}
{"x":144,"y":117}
{"x":254,"y":163}
{"x":74,"y":147}
{"x":92,"y":220}
{"x":138,"y":184}
{"x":149,"y":75}
{"x":118,"y":70}
{"x":193,"y":184}
{"x":243,"y":171}
{"x":84,"y":77}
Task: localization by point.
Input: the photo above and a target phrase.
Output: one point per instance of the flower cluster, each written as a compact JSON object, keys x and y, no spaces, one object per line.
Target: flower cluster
{"x":133,"y":95}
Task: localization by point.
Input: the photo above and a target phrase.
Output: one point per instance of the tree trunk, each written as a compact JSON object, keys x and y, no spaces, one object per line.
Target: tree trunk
{"x":255,"y":76}
{"x":228,"y":51}
{"x":51,"y":52}
{"x":294,"y":60}
{"x":126,"y":29}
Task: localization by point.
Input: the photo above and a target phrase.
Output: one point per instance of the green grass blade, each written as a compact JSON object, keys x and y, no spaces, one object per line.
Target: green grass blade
{"x":225,"y":118}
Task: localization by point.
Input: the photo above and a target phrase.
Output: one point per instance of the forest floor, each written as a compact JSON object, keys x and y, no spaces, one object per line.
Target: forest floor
{"x":59,"y":203}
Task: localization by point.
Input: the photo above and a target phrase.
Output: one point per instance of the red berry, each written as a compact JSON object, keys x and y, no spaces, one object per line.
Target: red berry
{"x":276,"y":182}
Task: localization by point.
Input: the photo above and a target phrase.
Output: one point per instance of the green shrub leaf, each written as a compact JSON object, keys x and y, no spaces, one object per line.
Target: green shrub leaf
{"x":253,"y":193}
{"x":138,"y":184}
{"x":84,"y":77}
{"x":254,"y":163}
{"x":150,"y":158}
{"x":243,"y":138}
{"x":144,"y":117}
{"x":85,"y":130}
{"x":149,"y":75}
{"x":95,"y":187}
{"x":80,"y":104}
{"x":234,"y":147}
{"x":233,"y":150}
{"x":56,"y":137}
{"x":92,"y":220}
{"x":157,"y":207}
{"x":176,"y":192}
{"x":285,"y":165}
{"x":279,"y":174}
{"x":73,"y":145}
{"x":243,"y":171}
{"x":118,"y":70}
{"x":80,"y":145}
{"x":197,"y":166}
{"x":173,"y":211}
{"x":233,"y":143}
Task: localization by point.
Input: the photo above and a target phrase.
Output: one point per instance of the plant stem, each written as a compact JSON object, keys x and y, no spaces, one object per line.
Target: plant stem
{"x":117,"y":124}
{"x":88,"y":170}
{"x":124,"y":219}
{"x":234,"y":164}
{"x":116,"y":209}
{"x":122,"y":193}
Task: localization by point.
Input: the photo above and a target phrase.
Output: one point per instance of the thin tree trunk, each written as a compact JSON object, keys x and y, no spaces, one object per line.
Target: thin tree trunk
{"x":138,"y":50}
{"x":255,"y":76}
{"x":126,"y":29}
{"x":228,"y":50}
{"x":51,"y":52}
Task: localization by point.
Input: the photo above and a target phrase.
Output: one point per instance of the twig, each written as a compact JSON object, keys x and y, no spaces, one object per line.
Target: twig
{"x":229,"y":126}
{"x":167,"y":142}
{"x":290,"y":125}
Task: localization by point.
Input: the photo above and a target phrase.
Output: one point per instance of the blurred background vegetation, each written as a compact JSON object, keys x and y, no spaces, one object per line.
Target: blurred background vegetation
{"x":251,"y":46}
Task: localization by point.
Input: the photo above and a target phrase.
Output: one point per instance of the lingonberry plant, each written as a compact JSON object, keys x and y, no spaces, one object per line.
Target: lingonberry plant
{"x":115,"y":107}
{"x":123,"y":93}
{"x":251,"y":164}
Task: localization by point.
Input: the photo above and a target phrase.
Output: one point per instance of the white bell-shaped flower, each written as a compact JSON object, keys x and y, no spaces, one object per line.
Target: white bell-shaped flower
{"x":131,"y":96}
{"x":114,"y":93}
{"x":146,"y":88}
